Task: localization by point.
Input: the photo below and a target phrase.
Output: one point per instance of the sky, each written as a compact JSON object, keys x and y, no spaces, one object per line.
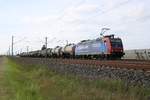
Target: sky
{"x":30,"y":21}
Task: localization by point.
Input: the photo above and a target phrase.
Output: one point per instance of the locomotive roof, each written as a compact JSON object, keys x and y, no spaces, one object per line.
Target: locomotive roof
{"x":112,"y":36}
{"x":89,"y":41}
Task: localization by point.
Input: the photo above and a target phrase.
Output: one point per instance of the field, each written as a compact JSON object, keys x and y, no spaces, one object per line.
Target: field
{"x":34,"y":82}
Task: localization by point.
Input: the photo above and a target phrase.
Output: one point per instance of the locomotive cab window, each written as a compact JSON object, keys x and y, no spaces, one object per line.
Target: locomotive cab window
{"x":116,"y":43}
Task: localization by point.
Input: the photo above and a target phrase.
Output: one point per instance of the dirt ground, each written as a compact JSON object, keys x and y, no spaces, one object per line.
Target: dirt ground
{"x":3,"y":89}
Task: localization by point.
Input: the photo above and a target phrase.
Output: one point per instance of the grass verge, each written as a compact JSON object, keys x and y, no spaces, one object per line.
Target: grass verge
{"x":39,"y":83}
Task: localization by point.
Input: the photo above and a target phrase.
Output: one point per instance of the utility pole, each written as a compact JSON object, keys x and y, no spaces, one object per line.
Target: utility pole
{"x":46,"y":42}
{"x":12,"y":48}
{"x":46,"y":46}
{"x":67,"y":42}
{"x":20,"y":51}
{"x":27,"y":49}
{"x":9,"y":51}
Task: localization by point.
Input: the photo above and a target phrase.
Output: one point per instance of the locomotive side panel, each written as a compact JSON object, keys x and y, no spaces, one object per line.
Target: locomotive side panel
{"x":95,"y":47}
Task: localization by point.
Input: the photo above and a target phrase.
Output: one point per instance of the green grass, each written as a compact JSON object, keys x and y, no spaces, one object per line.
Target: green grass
{"x":39,"y":83}
{"x":21,"y":84}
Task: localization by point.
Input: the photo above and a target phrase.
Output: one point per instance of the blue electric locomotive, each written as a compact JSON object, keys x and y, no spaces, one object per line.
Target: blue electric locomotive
{"x":107,"y":47}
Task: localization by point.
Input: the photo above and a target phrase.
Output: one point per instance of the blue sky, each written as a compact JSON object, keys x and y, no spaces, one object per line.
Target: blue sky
{"x":73,"y":20}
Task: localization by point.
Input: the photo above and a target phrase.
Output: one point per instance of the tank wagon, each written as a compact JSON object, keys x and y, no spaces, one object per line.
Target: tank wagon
{"x":45,"y":53}
{"x":49,"y":52}
{"x":56,"y":52}
{"x":68,"y":51}
{"x":106,"y":47}
{"x":23,"y":54}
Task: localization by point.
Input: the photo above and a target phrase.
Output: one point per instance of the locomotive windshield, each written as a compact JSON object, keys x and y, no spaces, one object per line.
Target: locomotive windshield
{"x":116,"y":43}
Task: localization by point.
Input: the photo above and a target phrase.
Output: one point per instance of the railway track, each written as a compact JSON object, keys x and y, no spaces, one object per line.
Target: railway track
{"x":128,"y":64}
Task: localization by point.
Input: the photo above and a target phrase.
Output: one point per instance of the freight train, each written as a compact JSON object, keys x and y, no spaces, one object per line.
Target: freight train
{"x":106,"y":47}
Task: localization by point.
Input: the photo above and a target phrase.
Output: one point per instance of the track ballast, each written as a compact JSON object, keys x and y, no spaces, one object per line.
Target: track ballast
{"x":133,"y":72}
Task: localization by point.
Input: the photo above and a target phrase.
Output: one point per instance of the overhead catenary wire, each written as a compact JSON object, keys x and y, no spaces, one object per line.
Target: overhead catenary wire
{"x":20,"y":40}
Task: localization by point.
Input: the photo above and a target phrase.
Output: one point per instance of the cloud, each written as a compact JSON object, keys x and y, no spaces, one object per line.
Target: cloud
{"x":70,"y":22}
{"x":37,"y":19}
{"x":129,"y":18}
{"x":85,"y":20}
